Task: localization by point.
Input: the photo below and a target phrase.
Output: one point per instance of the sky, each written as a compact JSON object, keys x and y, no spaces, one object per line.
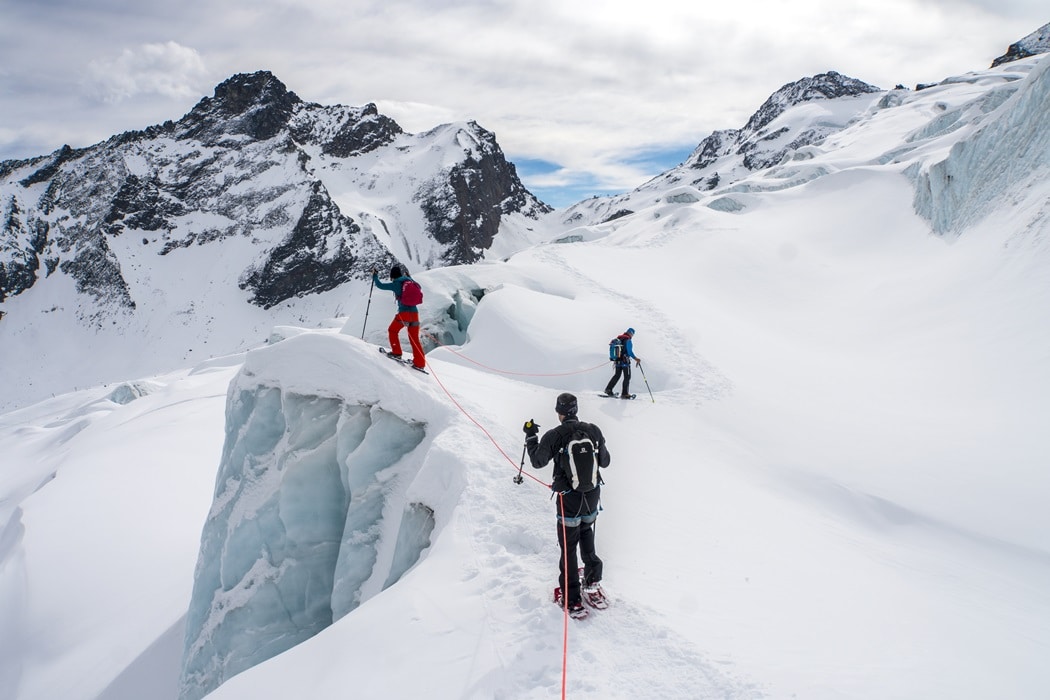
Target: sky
{"x":588,"y":97}
{"x":831,"y":485}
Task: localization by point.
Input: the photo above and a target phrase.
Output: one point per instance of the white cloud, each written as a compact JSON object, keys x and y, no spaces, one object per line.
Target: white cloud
{"x":167,"y":69}
{"x":584,"y":85}
{"x":415,"y":117}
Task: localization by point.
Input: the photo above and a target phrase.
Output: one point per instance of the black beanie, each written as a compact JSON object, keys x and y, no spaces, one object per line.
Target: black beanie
{"x":566,"y":405}
{"x":395,"y":272}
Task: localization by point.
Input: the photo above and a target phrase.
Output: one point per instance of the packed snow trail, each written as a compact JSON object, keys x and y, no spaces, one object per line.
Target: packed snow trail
{"x":515,"y":550}
{"x":677,"y":365}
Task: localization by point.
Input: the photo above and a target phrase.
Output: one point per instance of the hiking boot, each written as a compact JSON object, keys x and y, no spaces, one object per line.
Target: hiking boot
{"x":609,"y":393}
{"x":577,"y":611}
{"x":396,"y":357}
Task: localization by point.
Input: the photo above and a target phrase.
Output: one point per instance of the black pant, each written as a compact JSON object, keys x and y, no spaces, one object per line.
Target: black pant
{"x":582,"y":536}
{"x":626,"y":371}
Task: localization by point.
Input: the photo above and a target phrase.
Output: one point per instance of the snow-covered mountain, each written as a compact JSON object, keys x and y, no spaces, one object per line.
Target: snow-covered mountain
{"x":832,"y":486}
{"x":252,"y":200}
{"x":794,"y":117}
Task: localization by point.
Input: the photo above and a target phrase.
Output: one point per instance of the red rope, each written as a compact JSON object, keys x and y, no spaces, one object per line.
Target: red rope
{"x":430,"y":368}
{"x":564,"y":595}
{"x":564,"y":533}
{"x":507,"y":371}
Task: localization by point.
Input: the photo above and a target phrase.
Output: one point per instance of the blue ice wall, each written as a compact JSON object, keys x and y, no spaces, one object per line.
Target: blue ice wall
{"x":308,"y":499}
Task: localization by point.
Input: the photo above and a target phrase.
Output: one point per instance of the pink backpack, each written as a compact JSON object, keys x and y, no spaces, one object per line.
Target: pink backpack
{"x":411,"y":293}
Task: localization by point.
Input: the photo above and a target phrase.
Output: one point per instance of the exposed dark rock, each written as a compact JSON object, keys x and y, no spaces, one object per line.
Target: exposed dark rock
{"x":371,"y":131}
{"x":141,"y":205}
{"x":256,"y":105}
{"x":1038,"y":42}
{"x":316,"y":257}
{"x":618,"y":214}
{"x":97,"y":271}
{"x":24,"y":242}
{"x":464,"y":207}
{"x":718,"y":144}
{"x":50,"y":168}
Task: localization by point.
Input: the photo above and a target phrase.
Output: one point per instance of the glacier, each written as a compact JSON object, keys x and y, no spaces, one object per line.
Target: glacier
{"x":788,"y":318}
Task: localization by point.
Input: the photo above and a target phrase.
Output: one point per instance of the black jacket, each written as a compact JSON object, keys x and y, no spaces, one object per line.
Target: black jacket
{"x":552,"y":446}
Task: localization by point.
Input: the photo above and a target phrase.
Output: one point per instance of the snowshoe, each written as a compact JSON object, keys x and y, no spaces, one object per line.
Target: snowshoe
{"x":402,"y":360}
{"x":576,"y":612}
{"x":594,"y":596}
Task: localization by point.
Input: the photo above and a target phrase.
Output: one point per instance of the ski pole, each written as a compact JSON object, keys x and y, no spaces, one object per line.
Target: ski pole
{"x":519,"y":478}
{"x":370,"y":288}
{"x":646,"y":382}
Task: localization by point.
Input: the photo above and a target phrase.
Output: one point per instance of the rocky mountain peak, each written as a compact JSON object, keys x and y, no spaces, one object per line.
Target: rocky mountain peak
{"x":240,"y":92}
{"x":825,"y":86}
{"x":464,"y":206}
{"x":255,"y":104}
{"x":731,"y":153}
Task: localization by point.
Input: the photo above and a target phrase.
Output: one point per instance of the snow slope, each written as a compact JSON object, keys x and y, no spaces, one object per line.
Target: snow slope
{"x":835,"y":490}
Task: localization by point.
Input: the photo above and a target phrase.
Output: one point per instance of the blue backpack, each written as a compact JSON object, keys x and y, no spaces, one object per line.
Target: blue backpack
{"x":616,"y":347}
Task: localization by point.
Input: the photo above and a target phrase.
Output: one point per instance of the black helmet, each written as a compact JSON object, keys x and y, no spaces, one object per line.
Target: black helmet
{"x":566,"y":405}
{"x":395,"y":272}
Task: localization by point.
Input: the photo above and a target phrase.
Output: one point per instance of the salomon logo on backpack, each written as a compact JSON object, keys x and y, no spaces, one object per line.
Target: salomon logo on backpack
{"x":411,"y":293}
{"x":582,"y":462}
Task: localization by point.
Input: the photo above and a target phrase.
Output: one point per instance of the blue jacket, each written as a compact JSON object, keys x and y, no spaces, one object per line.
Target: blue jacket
{"x":628,"y":353}
{"x":395,"y":287}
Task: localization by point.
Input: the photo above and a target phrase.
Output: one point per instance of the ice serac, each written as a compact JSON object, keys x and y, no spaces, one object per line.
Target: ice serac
{"x":306,"y":523}
{"x":990,"y":168}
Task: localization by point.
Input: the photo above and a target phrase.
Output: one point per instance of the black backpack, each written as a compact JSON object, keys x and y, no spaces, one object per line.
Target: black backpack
{"x":582,"y":462}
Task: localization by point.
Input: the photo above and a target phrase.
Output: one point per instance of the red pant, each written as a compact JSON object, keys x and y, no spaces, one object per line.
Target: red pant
{"x":409,"y":320}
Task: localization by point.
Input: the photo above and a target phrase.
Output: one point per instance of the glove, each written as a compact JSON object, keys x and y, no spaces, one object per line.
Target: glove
{"x":637,"y":362}
{"x":531,"y":428}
